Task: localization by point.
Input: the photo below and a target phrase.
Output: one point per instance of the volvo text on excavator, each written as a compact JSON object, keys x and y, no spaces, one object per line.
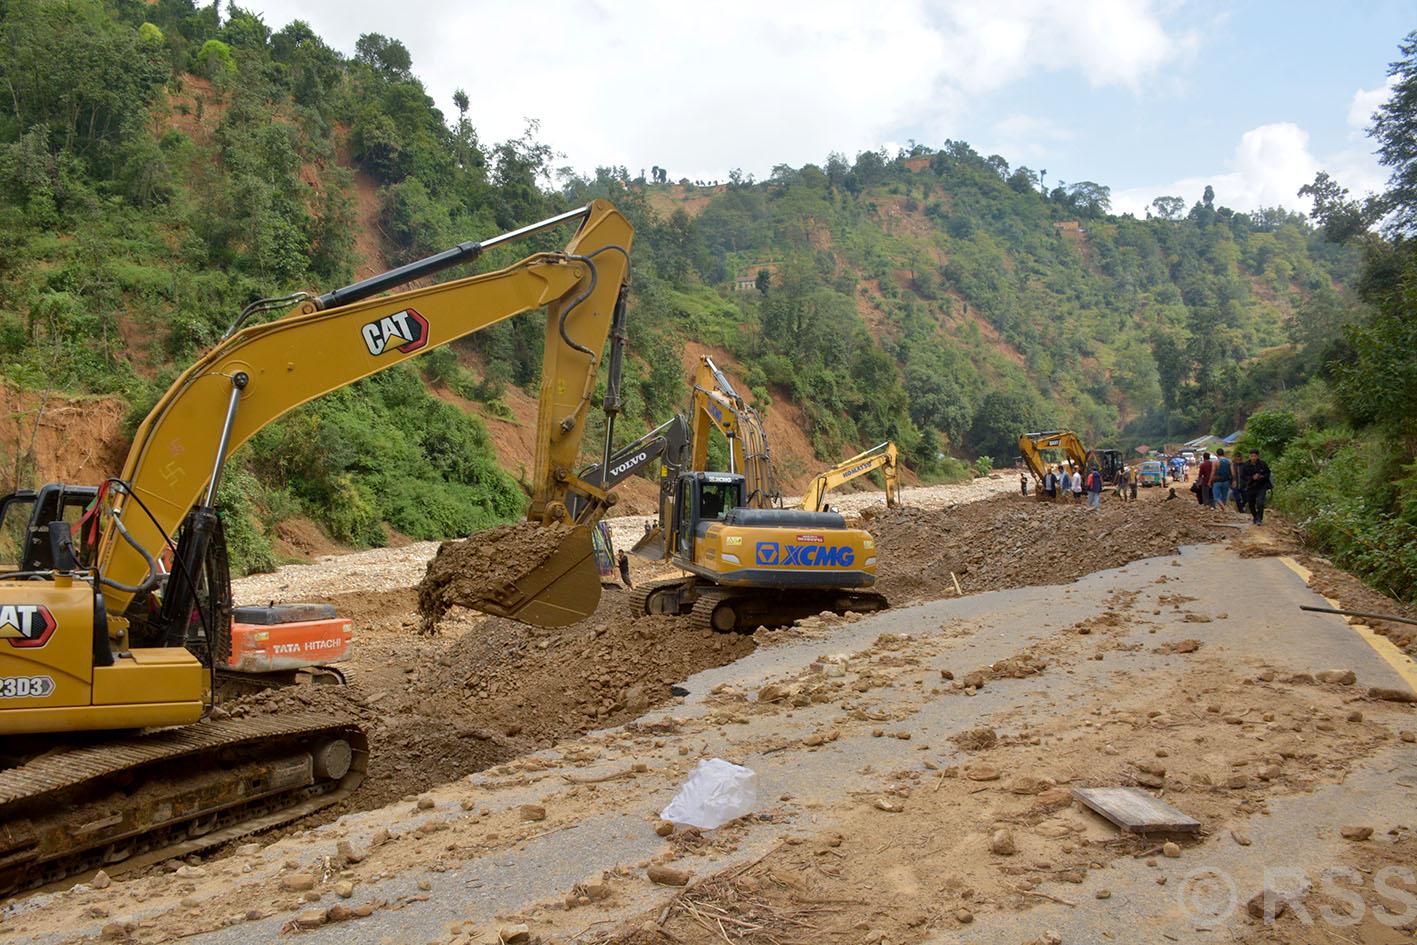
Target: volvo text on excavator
{"x":749,"y":563}
{"x":107,"y":664}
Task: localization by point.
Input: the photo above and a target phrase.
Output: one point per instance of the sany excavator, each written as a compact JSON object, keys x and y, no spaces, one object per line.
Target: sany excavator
{"x":749,"y":564}
{"x":882,"y":457}
{"x":1079,"y":457}
{"x":95,"y":646}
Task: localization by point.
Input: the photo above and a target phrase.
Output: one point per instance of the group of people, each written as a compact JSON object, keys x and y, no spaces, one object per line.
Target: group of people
{"x":1218,"y":480}
{"x":1071,"y":485}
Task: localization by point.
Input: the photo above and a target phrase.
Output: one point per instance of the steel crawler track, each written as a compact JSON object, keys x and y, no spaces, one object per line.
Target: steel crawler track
{"x":125,"y":802}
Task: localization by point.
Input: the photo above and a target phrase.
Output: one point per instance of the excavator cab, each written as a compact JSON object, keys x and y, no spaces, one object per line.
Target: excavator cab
{"x":701,"y":499}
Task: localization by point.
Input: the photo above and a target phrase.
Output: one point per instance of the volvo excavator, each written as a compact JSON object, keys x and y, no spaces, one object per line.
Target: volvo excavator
{"x":882,"y":457}
{"x":110,"y":753}
{"x":749,"y":563}
{"x":1079,"y":458}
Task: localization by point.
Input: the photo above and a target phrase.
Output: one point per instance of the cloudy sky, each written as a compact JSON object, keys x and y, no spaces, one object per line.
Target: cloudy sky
{"x":1148,"y":98}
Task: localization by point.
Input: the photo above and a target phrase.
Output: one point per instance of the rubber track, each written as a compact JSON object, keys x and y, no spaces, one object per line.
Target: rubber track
{"x":52,"y":773}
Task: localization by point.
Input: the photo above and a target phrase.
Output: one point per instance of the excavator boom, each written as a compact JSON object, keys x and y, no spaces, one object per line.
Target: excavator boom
{"x":882,"y":457}
{"x":264,"y":371}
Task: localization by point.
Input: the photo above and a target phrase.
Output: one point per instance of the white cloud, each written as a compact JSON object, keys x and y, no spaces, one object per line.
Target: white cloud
{"x":1269,"y":166}
{"x":1024,"y":138}
{"x":1367,"y":101}
{"x":701,"y":88}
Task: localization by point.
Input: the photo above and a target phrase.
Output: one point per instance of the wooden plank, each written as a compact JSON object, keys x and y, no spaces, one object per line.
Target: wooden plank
{"x":1135,"y":810}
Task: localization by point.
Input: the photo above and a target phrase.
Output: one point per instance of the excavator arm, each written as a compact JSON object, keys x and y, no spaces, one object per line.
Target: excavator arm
{"x":882,"y":457}
{"x":262,"y":372}
{"x":716,"y":403}
{"x":1032,"y":445}
{"x":667,"y":443}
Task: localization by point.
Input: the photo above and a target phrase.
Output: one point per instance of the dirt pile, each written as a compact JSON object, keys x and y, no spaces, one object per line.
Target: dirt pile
{"x":537,"y":685}
{"x":464,"y":573}
{"x":1010,"y":541}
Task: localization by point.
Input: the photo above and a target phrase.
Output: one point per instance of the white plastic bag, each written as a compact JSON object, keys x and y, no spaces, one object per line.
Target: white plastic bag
{"x":717,"y":791}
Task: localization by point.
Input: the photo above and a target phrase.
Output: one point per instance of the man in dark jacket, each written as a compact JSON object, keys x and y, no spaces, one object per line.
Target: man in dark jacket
{"x":623,"y":560}
{"x":1257,"y":484}
{"x":1240,"y":483}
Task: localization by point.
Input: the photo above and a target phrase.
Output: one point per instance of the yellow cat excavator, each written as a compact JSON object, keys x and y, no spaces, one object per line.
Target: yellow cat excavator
{"x":882,"y":457}
{"x":749,"y":563}
{"x":1031,"y":447}
{"x":95,"y":637}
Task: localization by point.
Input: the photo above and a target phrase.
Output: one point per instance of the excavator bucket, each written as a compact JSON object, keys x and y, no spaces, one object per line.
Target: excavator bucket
{"x":561,"y":590}
{"x":651,"y":546}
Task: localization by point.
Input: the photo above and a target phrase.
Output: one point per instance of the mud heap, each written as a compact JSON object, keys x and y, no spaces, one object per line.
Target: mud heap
{"x":464,"y":573}
{"x":1012,"y":541}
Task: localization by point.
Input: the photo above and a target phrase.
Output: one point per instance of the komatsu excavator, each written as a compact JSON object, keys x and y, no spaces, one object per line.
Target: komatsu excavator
{"x":882,"y":457}
{"x":749,"y":563}
{"x":106,"y":668}
{"x":1079,"y":458}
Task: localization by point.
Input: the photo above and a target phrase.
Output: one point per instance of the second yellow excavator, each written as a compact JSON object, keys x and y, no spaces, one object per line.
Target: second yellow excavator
{"x":748,"y":563}
{"x":882,"y":456}
{"x":1032,"y":446}
{"x":97,"y":637}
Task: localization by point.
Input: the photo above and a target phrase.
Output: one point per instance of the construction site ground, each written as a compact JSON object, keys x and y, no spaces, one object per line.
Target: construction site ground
{"x":914,"y":767}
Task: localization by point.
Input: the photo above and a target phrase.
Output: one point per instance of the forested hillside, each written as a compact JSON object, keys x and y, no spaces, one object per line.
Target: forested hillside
{"x":162,"y":165}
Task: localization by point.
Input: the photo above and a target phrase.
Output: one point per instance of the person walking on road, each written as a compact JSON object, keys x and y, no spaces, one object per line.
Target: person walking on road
{"x":1203,"y":475}
{"x":1123,"y":475}
{"x":624,"y":561}
{"x":1240,"y":484}
{"x":1094,"y":489}
{"x":1220,"y":480}
{"x":1258,"y":484}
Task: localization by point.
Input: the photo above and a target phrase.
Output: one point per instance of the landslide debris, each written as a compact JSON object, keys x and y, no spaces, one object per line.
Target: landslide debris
{"x":1012,"y":541}
{"x":464,"y":573}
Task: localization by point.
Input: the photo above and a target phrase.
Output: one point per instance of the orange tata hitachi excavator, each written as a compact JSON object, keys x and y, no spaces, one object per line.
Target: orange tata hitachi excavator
{"x":107,"y":666}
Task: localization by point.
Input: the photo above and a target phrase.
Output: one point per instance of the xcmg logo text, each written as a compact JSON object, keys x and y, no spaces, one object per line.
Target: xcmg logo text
{"x":771,"y":552}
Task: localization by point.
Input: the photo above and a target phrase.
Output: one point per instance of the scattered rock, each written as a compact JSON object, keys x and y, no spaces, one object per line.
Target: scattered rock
{"x":1408,"y":737}
{"x":190,"y":872}
{"x":344,"y":889}
{"x":100,"y":880}
{"x":1170,"y":850}
{"x":1240,"y":837}
{"x":297,"y":882}
{"x":514,"y":934}
{"x":662,"y":875}
{"x":1355,"y":832}
{"x":1392,"y":695}
{"x":1001,"y":843}
{"x":664,"y":828}
{"x":1027,"y":784}
{"x":1266,"y":904}
{"x":311,"y":919}
{"x":1338,"y":677}
{"x":890,"y":805}
{"x":1102,"y":894}
{"x":425,"y":803}
{"x":345,"y":850}
{"x":981,"y":772}
{"x":976,"y":739}
{"x":339,"y":913}
{"x":964,"y":916}
{"x":531,"y":812}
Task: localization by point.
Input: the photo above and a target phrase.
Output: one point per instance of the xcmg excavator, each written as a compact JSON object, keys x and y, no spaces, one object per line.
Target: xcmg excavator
{"x":882,"y":457}
{"x":107,"y":669}
{"x":749,"y":563}
{"x":1079,"y":457}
